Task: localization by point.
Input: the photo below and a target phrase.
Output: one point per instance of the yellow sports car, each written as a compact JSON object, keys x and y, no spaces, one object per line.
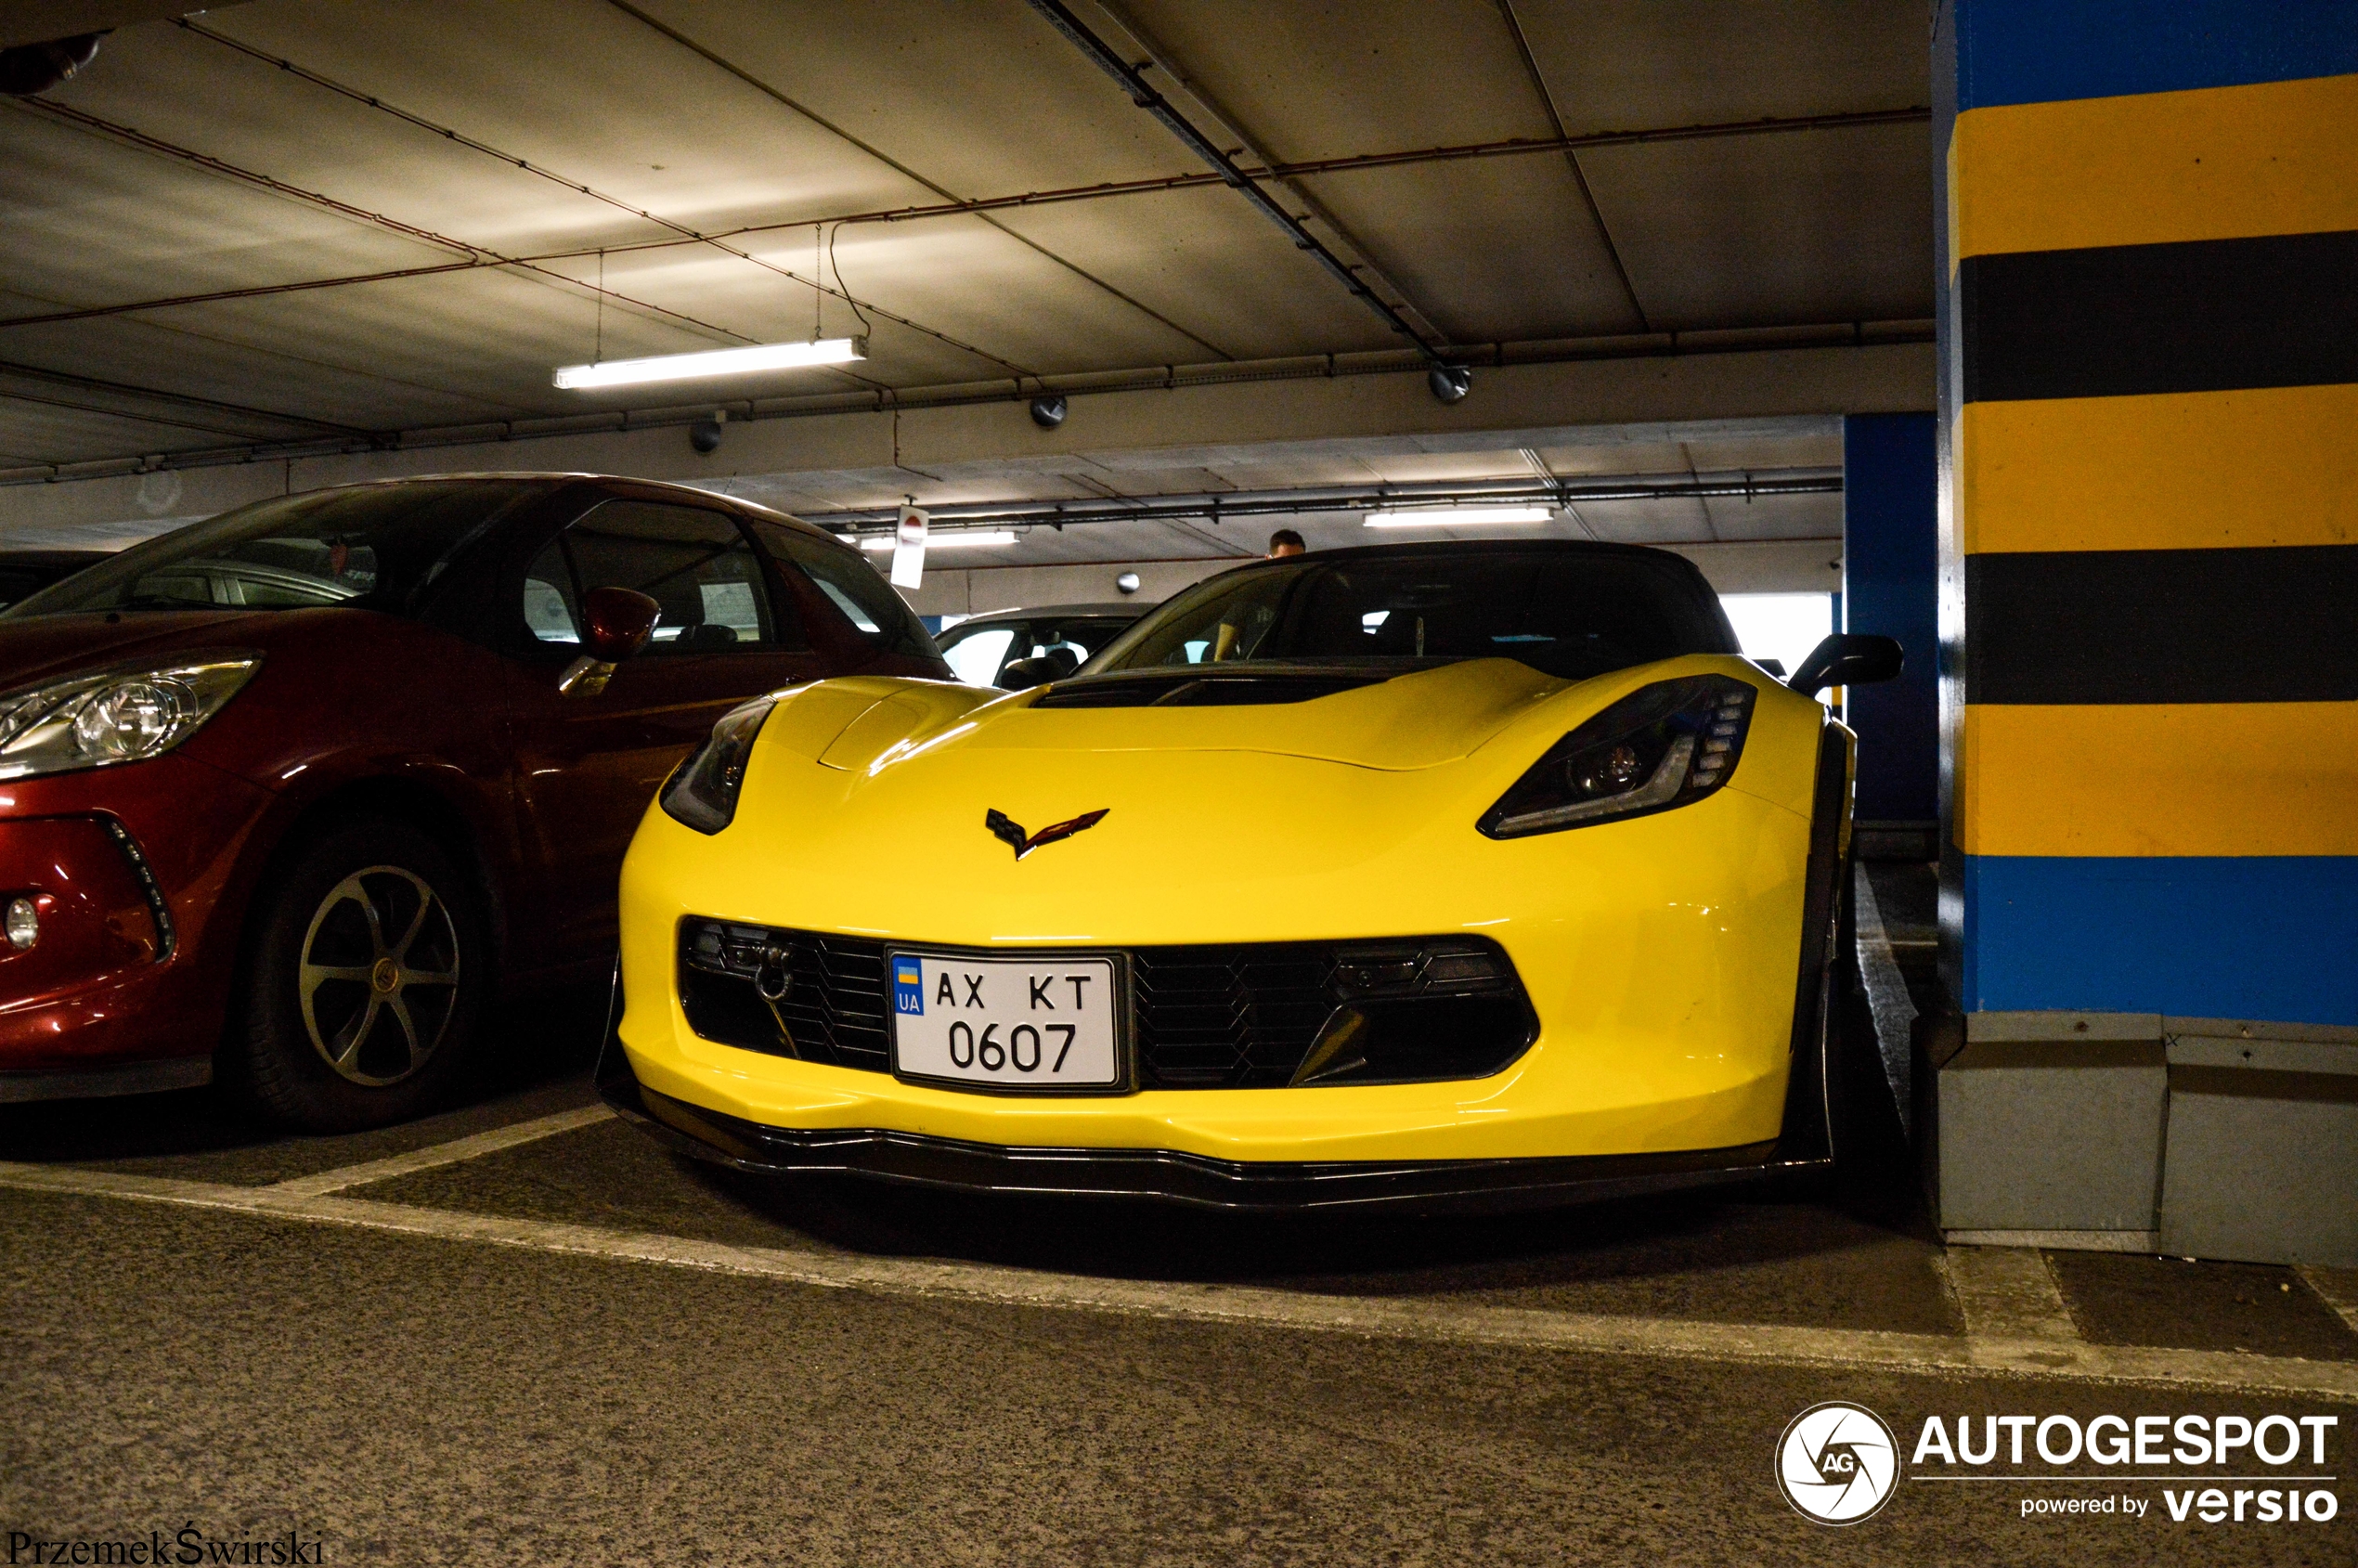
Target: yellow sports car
{"x":1434,"y":875}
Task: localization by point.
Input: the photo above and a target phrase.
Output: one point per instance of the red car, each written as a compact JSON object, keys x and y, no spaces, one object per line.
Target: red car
{"x":289,"y":795}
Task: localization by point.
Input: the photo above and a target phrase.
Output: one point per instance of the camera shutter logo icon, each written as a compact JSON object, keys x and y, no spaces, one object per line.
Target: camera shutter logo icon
{"x":1837,"y":1463}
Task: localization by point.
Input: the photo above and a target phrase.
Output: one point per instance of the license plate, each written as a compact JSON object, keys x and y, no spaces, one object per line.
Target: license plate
{"x":1005,"y":1023}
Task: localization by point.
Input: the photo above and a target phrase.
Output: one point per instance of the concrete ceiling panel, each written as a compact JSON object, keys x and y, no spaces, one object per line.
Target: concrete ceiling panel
{"x":1668,"y":520}
{"x":1205,"y":260}
{"x":1388,"y":74}
{"x":583,"y":89}
{"x":1795,"y":228}
{"x":1494,"y":249}
{"x":290,"y":374}
{"x":1775,"y":517}
{"x":193,"y":93}
{"x":1812,"y":450}
{"x":981,"y":100}
{"x":1288,"y":472}
{"x":1637,"y":457}
{"x":93,"y":223}
{"x":37,"y":426}
{"x":1430,"y":468}
{"x":1622,"y":65}
{"x":963,"y":276}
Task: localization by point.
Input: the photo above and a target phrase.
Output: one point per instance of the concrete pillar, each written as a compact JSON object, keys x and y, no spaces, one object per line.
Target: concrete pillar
{"x":1890,"y":560}
{"x":2149,"y":621}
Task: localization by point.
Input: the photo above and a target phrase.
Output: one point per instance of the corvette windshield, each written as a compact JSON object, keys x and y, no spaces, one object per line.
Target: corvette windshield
{"x":371,"y":546}
{"x":1565,"y":613}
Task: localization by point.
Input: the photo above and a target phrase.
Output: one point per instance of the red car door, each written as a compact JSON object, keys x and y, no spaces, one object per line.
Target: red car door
{"x":587,"y":760}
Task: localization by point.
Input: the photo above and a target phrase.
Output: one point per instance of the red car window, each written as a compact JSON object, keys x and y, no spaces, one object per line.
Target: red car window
{"x":695,"y":563}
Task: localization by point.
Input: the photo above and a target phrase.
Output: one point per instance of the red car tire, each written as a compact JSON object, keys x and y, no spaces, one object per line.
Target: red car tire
{"x":365,"y":983}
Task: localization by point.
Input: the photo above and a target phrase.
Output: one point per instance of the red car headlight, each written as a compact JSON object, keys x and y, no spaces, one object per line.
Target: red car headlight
{"x":1661,"y":746}
{"x":127,"y":714}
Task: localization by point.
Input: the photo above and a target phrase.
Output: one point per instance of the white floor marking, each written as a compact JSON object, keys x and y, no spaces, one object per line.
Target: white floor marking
{"x":2008,"y":1293}
{"x":1405,"y":1318}
{"x":450,"y":1153}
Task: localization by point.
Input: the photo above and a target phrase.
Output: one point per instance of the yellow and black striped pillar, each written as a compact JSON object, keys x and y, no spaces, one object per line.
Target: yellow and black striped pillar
{"x":2149,"y":413}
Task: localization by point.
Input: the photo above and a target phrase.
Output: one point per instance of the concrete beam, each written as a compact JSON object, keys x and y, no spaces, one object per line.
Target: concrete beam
{"x":1513,"y":406}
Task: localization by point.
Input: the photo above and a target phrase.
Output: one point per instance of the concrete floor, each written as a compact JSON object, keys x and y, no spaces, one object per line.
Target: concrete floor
{"x":508,"y":1358}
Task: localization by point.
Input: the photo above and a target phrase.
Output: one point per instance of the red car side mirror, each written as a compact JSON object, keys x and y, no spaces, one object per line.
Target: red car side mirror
{"x":616,"y":622}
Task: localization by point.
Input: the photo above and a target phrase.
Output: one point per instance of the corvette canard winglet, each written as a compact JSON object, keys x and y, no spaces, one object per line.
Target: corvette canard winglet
{"x":1010,"y":832}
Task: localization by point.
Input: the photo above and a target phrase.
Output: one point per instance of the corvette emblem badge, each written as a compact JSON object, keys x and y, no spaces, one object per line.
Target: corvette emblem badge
{"x":1010,"y":832}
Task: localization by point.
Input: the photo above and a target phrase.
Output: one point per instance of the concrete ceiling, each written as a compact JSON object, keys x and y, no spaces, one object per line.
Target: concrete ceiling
{"x":470,"y":192}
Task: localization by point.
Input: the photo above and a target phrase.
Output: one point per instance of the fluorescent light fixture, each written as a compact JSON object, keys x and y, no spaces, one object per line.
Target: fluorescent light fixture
{"x":937,"y":540}
{"x":1455,"y":516}
{"x":713,"y":362}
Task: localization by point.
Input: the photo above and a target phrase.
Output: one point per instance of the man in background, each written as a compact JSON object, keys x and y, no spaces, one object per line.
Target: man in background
{"x":1285,"y":542}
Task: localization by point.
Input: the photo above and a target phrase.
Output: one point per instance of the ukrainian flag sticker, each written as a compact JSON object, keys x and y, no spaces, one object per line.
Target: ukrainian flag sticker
{"x":908,"y":985}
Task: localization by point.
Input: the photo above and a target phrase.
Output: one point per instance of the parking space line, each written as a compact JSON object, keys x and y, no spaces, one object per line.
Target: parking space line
{"x":1248,"y":1306}
{"x":451,"y":1153}
{"x":2008,"y":1293}
{"x":2341,"y":1298}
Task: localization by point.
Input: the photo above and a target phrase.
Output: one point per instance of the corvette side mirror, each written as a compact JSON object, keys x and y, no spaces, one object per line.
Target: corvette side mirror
{"x":615,"y":623}
{"x":1847,"y":659}
{"x":1024,"y":674}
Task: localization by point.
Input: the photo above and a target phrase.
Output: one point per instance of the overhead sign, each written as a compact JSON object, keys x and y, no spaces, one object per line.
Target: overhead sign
{"x":909,"y":549}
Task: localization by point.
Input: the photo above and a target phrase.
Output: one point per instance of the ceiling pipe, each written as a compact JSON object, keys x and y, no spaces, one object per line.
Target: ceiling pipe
{"x":1216,"y":508}
{"x":1106,"y":60}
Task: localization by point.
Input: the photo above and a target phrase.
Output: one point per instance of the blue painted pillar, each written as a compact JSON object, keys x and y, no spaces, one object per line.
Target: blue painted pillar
{"x":1890,"y":566}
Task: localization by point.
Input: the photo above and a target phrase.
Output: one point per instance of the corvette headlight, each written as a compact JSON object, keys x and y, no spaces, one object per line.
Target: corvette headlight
{"x":1661,"y":746}
{"x":703,"y":793}
{"x":122,"y":715}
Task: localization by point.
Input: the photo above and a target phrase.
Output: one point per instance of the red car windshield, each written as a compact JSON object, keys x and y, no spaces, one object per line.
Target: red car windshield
{"x":372,"y":546}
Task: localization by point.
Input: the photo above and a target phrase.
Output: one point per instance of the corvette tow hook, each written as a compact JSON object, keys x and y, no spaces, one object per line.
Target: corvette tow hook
{"x":773,"y":979}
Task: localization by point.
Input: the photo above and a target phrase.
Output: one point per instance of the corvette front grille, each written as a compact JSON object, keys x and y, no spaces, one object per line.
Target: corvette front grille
{"x":834,"y":1012}
{"x":1241,"y":1016}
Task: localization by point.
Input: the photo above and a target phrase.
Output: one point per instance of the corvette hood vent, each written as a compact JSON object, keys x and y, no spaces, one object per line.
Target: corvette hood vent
{"x":1185,"y":688}
{"x":1366,"y":715}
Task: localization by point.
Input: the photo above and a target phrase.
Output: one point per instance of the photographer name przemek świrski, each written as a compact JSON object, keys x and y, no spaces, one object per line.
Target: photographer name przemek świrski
{"x":186,"y":1546}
